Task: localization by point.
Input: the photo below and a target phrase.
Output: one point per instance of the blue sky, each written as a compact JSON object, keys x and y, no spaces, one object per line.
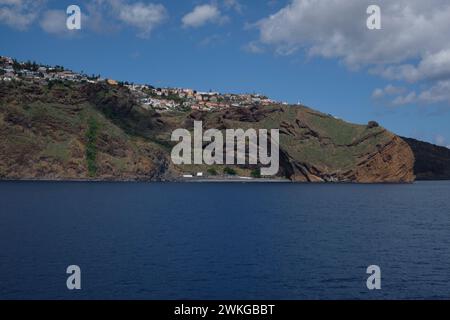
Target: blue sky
{"x":322,"y":56}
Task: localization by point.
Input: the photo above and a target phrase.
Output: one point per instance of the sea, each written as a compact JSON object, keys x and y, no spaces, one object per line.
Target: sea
{"x":136,"y":240}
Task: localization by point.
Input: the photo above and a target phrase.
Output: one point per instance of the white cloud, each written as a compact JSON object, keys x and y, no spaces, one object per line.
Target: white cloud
{"x":439,"y":92}
{"x":389,"y":90}
{"x":378,"y":93}
{"x":100,"y":15}
{"x":431,"y":67}
{"x":338,"y":29}
{"x":405,"y":99}
{"x":144,"y":17}
{"x":214,"y":40}
{"x":11,"y":2}
{"x":54,"y":21}
{"x":203,"y":14}
{"x":439,"y":140}
{"x":105,"y":16}
{"x":411,"y":47}
{"x":233,"y":4}
{"x":253,"y":47}
{"x":19,"y":14}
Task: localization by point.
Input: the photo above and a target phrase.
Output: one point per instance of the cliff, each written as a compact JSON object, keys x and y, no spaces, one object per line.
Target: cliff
{"x":97,"y":131}
{"x":432,"y":162}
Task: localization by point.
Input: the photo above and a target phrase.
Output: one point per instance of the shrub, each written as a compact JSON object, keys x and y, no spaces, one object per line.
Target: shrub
{"x":256,"y":173}
{"x":91,"y":146}
{"x":212,"y":172}
{"x":372,"y":124}
{"x":229,"y":171}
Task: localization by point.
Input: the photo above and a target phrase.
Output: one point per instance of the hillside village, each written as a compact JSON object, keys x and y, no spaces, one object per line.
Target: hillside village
{"x":150,"y":97}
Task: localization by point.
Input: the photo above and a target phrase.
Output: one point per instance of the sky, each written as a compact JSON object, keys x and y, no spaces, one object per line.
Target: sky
{"x":319,"y":53}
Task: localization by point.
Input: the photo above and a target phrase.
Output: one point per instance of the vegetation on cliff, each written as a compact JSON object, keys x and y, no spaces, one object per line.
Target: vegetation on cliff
{"x":83,"y":131}
{"x":91,"y":146}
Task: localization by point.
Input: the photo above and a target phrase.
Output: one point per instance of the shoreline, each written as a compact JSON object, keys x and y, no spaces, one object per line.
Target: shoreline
{"x":181,"y":180}
{"x":208,"y":180}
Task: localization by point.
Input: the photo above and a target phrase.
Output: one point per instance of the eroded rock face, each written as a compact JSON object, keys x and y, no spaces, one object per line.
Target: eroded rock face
{"x":372,"y":154}
{"x":390,"y":163}
{"x":44,"y":136}
{"x":393,"y":162}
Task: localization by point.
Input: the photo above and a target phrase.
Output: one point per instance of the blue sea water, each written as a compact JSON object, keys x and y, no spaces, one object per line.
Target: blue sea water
{"x":224,"y":240}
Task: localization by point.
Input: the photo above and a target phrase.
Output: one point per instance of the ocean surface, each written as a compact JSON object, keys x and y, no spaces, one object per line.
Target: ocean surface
{"x":224,"y":240}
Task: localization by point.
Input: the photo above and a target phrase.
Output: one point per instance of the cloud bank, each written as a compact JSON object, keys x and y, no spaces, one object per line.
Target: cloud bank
{"x":20,"y":14}
{"x":97,"y":15}
{"x":413,"y":45}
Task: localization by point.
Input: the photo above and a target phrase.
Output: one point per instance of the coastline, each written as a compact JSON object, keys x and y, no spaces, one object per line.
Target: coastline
{"x":206,"y":180}
{"x":180,"y":180}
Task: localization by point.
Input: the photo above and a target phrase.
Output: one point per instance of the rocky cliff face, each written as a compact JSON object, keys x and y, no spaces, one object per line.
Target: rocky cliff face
{"x":432,"y":162}
{"x":390,"y":163}
{"x":319,"y":148}
{"x":99,"y":132}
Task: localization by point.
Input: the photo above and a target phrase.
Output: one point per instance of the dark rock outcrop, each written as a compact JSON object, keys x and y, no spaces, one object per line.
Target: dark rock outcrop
{"x":432,"y":161}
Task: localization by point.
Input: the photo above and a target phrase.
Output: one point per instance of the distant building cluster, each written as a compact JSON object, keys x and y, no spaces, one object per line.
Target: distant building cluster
{"x":168,"y":99}
{"x":159,"y":99}
{"x":11,"y":70}
{"x":8,"y":73}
